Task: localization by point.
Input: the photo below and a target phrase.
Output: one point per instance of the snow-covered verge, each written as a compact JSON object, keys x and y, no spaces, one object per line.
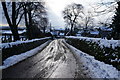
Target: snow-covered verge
{"x":102,"y":42}
{"x":10,"y":61}
{"x":18,"y":47}
{"x":93,"y":67}
{"x":8,"y":45}
{"x":105,"y":54}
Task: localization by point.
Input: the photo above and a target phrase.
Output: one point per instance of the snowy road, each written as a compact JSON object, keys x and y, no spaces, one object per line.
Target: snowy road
{"x":55,"y":61}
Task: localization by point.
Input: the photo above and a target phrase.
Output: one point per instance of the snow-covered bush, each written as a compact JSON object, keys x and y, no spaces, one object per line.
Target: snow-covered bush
{"x":14,"y":48}
{"x":106,"y":54}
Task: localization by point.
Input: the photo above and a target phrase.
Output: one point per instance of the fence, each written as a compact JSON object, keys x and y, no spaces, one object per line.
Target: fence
{"x":9,"y":38}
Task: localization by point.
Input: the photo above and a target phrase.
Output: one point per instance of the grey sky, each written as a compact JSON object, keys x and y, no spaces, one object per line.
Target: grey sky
{"x":0,"y":14}
{"x":55,"y":8}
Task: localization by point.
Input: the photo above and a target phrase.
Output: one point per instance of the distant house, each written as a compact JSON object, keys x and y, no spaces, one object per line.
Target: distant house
{"x":88,"y":32}
{"x":61,"y":34}
{"x":105,"y":31}
{"x":54,"y":33}
{"x":94,"y":34}
{"x":58,"y":32}
{"x":79,"y":33}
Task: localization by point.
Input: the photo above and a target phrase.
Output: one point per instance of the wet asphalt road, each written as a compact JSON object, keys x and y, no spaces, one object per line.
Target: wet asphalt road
{"x":54,"y":61}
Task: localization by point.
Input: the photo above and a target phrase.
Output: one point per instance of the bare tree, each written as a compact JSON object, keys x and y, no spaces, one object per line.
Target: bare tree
{"x":86,"y":19}
{"x":71,"y":14}
{"x":40,"y":16}
{"x":13,"y":20}
{"x":106,"y":22}
{"x":28,"y":18}
{"x":34,"y":13}
{"x":44,"y":24}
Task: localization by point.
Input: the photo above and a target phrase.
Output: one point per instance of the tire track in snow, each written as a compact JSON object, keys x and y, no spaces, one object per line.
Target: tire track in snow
{"x":55,"y":61}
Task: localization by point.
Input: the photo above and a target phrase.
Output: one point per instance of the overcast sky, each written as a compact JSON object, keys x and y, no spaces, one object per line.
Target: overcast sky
{"x":55,"y":8}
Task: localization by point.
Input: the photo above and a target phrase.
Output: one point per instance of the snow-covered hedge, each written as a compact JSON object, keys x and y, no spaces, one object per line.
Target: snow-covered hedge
{"x":92,"y":67}
{"x":14,"y":48}
{"x":104,"y":50}
{"x":12,"y":60}
{"x":101,"y":42}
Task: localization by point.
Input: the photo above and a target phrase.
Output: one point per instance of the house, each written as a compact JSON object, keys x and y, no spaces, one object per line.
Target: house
{"x":94,"y":34}
{"x":79,"y":33}
{"x":88,"y":32}
{"x":105,"y":31}
{"x":58,"y":32}
{"x":61,"y":34}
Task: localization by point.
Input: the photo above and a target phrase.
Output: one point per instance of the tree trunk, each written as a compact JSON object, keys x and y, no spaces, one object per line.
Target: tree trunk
{"x":44,"y":28}
{"x":30,"y":25}
{"x":12,"y":25}
{"x":71,"y":31}
{"x":15,"y":32}
{"x":27,"y":23}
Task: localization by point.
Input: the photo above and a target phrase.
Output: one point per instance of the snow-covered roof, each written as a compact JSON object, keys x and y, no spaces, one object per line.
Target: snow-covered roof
{"x":102,"y":42}
{"x":62,"y":34}
{"x":79,"y":32}
{"x":54,"y":33}
{"x":106,"y":29}
{"x":94,"y":32}
{"x":60,"y":29}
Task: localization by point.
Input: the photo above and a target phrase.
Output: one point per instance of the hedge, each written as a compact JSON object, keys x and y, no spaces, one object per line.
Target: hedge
{"x":105,"y":54}
{"x":16,"y":48}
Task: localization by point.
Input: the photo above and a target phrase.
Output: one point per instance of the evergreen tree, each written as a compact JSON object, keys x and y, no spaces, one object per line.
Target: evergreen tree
{"x":116,"y":23}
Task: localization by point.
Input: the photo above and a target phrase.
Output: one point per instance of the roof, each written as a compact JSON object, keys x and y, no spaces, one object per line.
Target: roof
{"x":94,"y":32}
{"x":54,"y":33}
{"x":60,"y":29}
{"x":79,"y":32}
{"x":62,"y":34}
{"x":106,"y":28}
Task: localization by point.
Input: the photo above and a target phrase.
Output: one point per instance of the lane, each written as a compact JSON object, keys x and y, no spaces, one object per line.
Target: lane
{"x":26,"y":68}
{"x":68,"y":66}
{"x":55,"y":61}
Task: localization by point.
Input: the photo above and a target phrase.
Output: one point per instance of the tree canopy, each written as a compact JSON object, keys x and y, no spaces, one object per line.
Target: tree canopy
{"x":71,"y":14}
{"x":116,"y":23}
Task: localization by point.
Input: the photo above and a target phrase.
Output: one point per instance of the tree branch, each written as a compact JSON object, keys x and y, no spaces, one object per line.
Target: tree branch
{"x":6,"y":13}
{"x":20,"y":19}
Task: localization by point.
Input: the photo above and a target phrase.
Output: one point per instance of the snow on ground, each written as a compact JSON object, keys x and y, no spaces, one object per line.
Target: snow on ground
{"x":66,"y":63}
{"x":17,"y":58}
{"x":92,"y":67}
{"x":9,"y":31}
{"x":100,"y":41}
{"x":7,"y":45}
